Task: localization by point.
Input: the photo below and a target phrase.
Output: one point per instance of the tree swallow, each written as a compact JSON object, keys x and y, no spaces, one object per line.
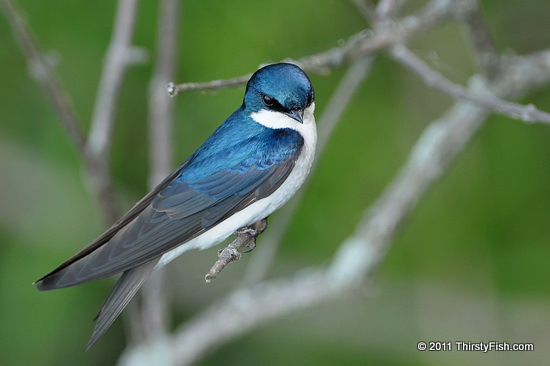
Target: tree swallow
{"x":248,"y":168}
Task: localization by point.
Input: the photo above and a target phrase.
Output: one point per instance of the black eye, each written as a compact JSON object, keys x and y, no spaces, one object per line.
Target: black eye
{"x":268,"y":101}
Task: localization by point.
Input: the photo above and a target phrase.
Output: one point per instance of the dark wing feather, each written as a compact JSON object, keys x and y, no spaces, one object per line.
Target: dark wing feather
{"x":125,"y":288}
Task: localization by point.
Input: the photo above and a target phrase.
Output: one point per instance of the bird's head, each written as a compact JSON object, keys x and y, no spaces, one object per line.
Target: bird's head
{"x":279,"y":91}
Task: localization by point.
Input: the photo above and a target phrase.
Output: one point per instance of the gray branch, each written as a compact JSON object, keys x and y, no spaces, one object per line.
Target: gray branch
{"x":42,"y":71}
{"x":528,"y":113}
{"x":120,"y":55}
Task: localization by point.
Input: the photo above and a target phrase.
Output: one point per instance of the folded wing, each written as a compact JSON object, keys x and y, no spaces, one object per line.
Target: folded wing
{"x":178,"y":210}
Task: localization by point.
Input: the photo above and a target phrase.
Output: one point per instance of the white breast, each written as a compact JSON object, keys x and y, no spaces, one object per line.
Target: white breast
{"x":264,"y":207}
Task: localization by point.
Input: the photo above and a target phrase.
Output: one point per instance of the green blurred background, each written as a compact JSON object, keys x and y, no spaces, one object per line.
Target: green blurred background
{"x":471,"y":264}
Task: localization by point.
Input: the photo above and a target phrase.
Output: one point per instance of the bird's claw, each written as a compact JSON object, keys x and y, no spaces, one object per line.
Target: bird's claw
{"x":250,"y":245}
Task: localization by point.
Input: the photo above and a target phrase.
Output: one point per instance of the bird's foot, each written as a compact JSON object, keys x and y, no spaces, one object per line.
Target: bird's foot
{"x":250,"y":233}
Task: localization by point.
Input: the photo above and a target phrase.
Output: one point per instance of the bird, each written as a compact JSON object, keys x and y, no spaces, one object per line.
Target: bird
{"x":251,"y":165}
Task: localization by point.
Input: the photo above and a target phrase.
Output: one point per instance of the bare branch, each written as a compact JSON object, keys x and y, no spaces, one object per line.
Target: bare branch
{"x":120,"y":55}
{"x":44,"y":74}
{"x":528,"y":113}
{"x":173,"y":90}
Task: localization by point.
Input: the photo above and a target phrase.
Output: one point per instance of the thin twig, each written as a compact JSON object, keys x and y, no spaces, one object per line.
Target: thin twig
{"x":44,"y":74}
{"x":527,"y":113}
{"x":173,"y":90}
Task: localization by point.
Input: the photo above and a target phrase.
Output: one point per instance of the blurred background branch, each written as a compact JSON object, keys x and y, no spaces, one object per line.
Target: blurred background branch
{"x":153,"y":317}
{"x":42,"y":71}
{"x":528,"y":113}
{"x":120,"y":55}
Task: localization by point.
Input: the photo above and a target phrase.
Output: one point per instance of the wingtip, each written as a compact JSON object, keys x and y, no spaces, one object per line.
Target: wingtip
{"x":91,"y":343}
{"x":100,"y":329}
{"x":124,"y":290}
{"x":45,"y":283}
{"x":39,"y":284}
{"x":48,"y":281}
{"x":96,"y":335}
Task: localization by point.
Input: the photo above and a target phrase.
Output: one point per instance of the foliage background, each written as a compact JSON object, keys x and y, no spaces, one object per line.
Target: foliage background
{"x":471,"y":264}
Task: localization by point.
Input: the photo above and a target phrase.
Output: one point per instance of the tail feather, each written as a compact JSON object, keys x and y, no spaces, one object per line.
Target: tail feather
{"x":124,"y":290}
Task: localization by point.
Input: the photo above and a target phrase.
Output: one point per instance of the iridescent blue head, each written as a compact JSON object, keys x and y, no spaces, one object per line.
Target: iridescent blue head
{"x":281,"y":88}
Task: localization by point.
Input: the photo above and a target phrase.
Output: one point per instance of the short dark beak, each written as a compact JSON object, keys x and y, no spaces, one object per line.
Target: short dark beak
{"x":296,"y":114}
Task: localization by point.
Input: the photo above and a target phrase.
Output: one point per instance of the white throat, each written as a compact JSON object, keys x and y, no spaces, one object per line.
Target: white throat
{"x":276,"y":120}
